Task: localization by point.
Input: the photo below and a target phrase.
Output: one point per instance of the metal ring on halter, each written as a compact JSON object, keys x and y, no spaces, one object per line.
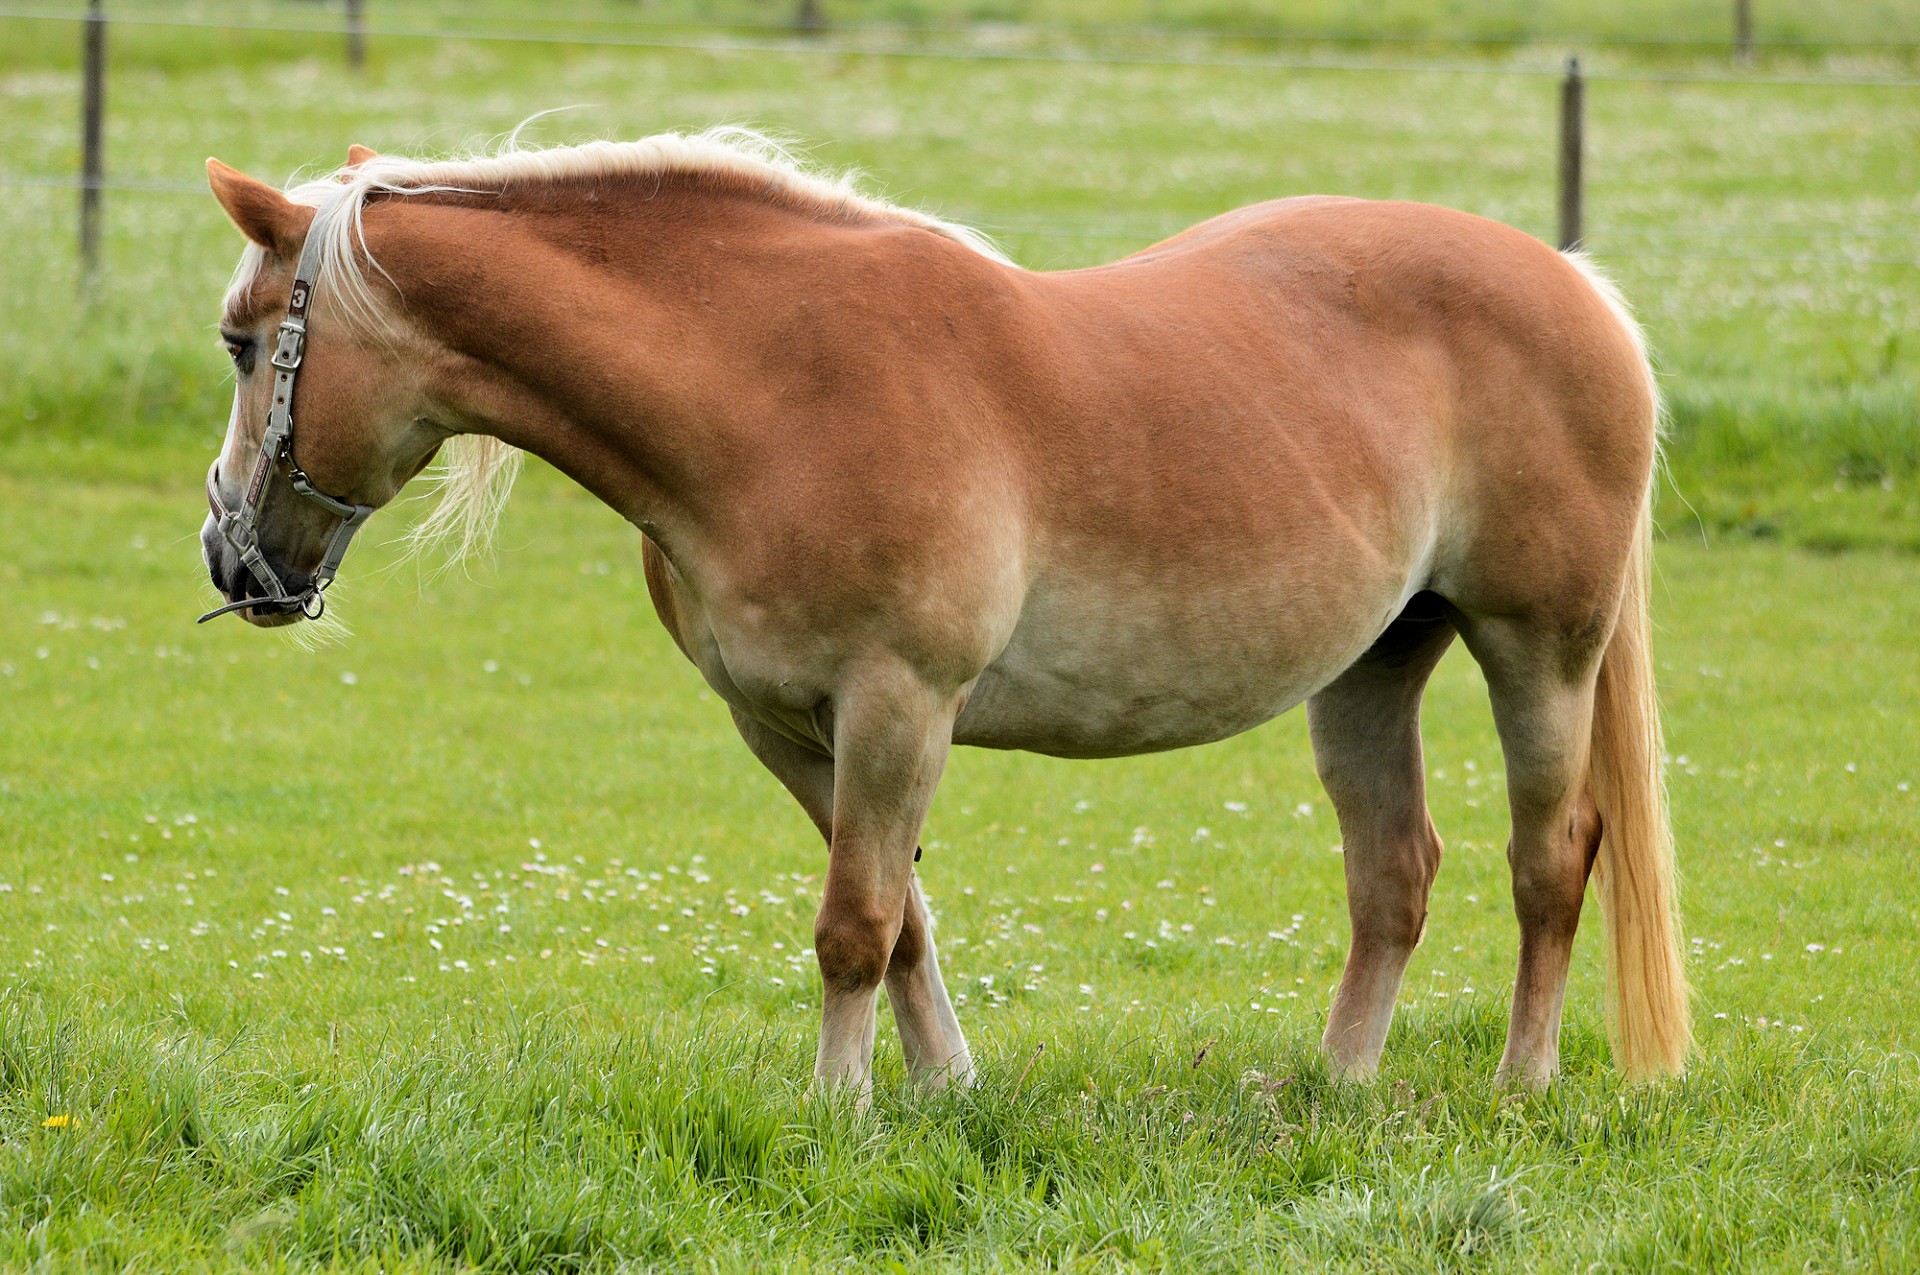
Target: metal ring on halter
{"x":240,"y":526}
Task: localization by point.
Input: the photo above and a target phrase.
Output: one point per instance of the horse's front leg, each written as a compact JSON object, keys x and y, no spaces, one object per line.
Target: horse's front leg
{"x":930,"y":1035}
{"x":891,"y":733}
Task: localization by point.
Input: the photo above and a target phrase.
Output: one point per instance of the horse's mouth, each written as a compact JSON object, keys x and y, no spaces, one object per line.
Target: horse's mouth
{"x":234,"y":583}
{"x":273,"y":615}
{"x":264,"y":614}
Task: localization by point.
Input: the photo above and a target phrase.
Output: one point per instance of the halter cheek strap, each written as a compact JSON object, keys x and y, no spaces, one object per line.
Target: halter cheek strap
{"x":240,"y":526}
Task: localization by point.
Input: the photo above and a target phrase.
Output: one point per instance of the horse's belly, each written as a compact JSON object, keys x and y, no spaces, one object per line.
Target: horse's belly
{"x":1128,"y":714}
{"x":1106,"y":677}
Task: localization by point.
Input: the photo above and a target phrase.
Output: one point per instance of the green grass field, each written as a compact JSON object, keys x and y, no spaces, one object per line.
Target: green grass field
{"x":480,"y":943}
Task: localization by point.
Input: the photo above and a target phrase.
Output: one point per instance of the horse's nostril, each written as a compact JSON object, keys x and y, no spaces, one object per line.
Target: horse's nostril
{"x":217,"y":572}
{"x":228,"y":576}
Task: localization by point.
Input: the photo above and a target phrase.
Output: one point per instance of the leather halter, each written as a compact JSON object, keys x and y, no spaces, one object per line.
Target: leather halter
{"x":240,"y":526}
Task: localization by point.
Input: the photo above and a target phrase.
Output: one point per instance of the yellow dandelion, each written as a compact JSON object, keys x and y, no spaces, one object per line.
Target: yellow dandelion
{"x":56,"y":1122}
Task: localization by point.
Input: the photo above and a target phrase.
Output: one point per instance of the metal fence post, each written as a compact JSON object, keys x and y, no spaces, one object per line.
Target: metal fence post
{"x":357,"y":34}
{"x":93,"y":110}
{"x":1743,"y":32}
{"x":811,"y":16}
{"x":1572,"y":126}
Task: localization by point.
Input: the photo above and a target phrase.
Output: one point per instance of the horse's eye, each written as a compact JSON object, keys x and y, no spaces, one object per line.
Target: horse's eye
{"x":240,"y":350}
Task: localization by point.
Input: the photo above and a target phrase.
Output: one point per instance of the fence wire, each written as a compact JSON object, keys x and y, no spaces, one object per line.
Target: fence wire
{"x":818,"y":46}
{"x":1200,"y":33}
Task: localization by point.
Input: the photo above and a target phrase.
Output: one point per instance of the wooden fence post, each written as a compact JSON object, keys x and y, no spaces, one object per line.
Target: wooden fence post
{"x":357,"y":34}
{"x":1743,"y":32}
{"x":1572,"y":126}
{"x":811,"y":17}
{"x":93,"y":110}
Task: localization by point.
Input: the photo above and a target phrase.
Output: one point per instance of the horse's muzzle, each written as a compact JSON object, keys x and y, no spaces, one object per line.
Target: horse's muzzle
{"x":231,"y":577}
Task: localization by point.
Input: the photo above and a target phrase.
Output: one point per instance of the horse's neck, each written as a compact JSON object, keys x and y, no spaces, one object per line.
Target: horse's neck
{"x":607,"y":339}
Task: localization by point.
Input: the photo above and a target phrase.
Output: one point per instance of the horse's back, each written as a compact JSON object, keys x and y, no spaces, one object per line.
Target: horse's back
{"x":1415,"y":371}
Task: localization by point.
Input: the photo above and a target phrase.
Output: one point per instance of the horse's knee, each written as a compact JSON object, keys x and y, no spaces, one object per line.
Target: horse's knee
{"x":1392,"y":912}
{"x":853,"y":946}
{"x":1396,"y":929}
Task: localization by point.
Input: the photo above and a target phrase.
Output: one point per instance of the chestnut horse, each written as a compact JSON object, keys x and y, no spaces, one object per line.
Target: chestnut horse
{"x":898,"y":494}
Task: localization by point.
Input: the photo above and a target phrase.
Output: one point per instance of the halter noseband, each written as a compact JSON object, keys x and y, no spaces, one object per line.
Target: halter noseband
{"x":240,"y":526}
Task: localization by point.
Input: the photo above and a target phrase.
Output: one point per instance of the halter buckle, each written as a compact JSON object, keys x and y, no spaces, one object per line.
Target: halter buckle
{"x":291,"y":346}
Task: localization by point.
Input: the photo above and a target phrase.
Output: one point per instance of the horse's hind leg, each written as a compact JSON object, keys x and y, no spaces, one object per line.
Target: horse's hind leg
{"x":1366,"y":744}
{"x":1540,"y":677}
{"x":930,"y":1033}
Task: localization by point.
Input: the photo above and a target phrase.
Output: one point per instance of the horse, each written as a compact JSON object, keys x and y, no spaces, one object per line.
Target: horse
{"x":898,"y":494}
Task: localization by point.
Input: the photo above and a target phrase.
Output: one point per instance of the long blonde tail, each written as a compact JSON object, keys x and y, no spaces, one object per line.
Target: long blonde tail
{"x":1634,"y":874}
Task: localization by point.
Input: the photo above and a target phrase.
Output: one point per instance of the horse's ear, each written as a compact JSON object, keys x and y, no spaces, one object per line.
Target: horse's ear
{"x":358,"y":155}
{"x":263,"y":214}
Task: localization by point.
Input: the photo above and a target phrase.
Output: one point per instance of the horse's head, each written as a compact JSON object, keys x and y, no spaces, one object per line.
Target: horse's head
{"x":286,"y":497}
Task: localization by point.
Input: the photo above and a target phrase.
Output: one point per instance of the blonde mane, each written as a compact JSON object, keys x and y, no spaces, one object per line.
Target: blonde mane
{"x":475,"y":472}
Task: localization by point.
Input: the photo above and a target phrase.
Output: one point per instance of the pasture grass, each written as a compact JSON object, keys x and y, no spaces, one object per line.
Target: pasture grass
{"x":479,"y":943}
